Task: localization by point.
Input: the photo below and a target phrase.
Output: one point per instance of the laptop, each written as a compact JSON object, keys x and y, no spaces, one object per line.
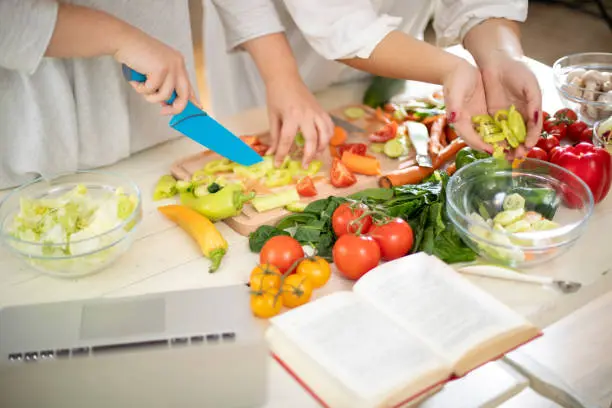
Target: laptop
{"x":193,"y":348}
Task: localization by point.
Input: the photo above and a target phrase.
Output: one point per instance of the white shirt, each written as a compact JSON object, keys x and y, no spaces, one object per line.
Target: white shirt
{"x":60,"y":115}
{"x":321,"y":31}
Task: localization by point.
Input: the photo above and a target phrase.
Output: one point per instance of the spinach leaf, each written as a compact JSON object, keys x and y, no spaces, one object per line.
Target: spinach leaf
{"x":295,"y":220}
{"x":373,"y":194}
{"x":261,"y":235}
{"x":450,"y":248}
{"x":309,"y":234}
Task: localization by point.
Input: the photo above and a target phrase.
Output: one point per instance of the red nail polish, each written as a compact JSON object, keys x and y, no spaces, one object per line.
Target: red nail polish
{"x":536,"y":116}
{"x":452,"y":117}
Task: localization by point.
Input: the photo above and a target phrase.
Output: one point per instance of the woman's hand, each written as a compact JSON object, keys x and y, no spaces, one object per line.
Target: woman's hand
{"x":464,"y":97}
{"x":164,"y":67}
{"x":293,"y":108}
{"x":509,"y":81}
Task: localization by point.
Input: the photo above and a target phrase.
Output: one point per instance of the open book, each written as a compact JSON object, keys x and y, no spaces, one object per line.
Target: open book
{"x":407,"y":327}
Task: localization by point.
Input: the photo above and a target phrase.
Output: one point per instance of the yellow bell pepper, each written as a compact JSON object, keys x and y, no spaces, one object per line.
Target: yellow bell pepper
{"x":201,"y":229}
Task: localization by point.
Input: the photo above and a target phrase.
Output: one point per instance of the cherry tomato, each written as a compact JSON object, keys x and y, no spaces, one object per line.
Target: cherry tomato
{"x":385,"y":133}
{"x":296,"y":290}
{"x":394,"y":238}
{"x":344,"y":219}
{"x":316,"y":269}
{"x":587,"y":136}
{"x":538,"y":153}
{"x":265,"y":277}
{"x":355,"y":255}
{"x":566,"y":114}
{"x":545,"y":116}
{"x":557,"y":129}
{"x":547,"y":142}
{"x":266,"y":304}
{"x":359,"y":149}
{"x":306,"y":188}
{"x":340,"y":175}
{"x":281,"y":251}
{"x":553,"y":155}
{"x":575,"y":129}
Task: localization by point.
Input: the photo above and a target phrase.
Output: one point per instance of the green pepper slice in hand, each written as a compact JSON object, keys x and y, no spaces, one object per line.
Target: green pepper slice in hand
{"x":517,"y":124}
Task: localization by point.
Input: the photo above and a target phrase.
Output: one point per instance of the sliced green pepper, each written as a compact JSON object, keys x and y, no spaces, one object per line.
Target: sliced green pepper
{"x":256,"y":171}
{"x":183,"y":186}
{"x":296,"y":170}
{"x":225,"y":203}
{"x":517,"y":124}
{"x":482,"y":119}
{"x":500,"y":115}
{"x":510,"y":138}
{"x":165,"y":188}
{"x":278,"y":177}
{"x":218,"y":166}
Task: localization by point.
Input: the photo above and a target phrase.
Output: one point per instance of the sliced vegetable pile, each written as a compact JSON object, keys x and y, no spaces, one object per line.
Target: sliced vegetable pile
{"x":506,"y":129}
{"x":60,"y":223}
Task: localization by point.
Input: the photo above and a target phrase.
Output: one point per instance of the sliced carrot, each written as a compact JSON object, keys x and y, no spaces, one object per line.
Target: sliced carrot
{"x":370,"y":166}
{"x":429,"y":120}
{"x":450,"y":133}
{"x":382,"y":116}
{"x":451,"y":169}
{"x":339,"y":136}
{"x":436,"y":136}
{"x":410,"y":175}
{"x":449,"y":152}
{"x":389,"y":108}
{"x":333,"y":151}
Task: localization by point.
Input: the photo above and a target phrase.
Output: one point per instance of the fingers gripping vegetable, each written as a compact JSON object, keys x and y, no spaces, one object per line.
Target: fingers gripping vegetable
{"x":394,"y":238}
{"x":204,"y":232}
{"x":281,"y":251}
{"x":351,"y":218}
{"x":355,"y":255}
{"x":506,"y":127}
{"x":296,"y":290}
{"x":316,"y":269}
{"x":265,"y":277}
{"x":165,"y":188}
{"x":225,"y":203}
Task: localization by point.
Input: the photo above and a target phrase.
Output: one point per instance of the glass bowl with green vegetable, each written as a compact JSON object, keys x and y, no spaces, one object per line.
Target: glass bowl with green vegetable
{"x":71,"y":225}
{"x":518,"y":214}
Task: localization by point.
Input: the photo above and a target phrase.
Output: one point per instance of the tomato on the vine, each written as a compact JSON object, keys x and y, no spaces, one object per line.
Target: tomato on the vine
{"x":545,"y":116}
{"x":350,"y":219}
{"x":547,"y":142}
{"x":394,"y":238}
{"x":556,"y":129}
{"x":316,"y":269}
{"x":575,"y":129}
{"x":355,"y":255}
{"x":265,"y":277}
{"x":281,"y":251}
{"x":296,"y":290}
{"x":266,"y":304}
{"x":566,"y":114}
{"x":538,"y":153}
{"x":586,"y":136}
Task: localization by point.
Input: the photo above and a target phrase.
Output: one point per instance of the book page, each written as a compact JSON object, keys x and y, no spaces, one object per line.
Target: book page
{"x":433,"y":301}
{"x":368,"y":354}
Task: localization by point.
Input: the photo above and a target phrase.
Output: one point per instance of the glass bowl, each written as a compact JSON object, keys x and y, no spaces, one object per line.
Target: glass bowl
{"x":591,"y":105}
{"x":602,"y":134}
{"x":39,"y":235}
{"x":556,"y":208}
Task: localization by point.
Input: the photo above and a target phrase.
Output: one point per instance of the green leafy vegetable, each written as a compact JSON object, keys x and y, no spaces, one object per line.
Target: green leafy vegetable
{"x":259,"y":237}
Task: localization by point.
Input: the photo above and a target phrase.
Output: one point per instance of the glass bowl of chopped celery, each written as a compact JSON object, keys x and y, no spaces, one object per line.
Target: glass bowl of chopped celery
{"x":71,"y":225}
{"x":518,"y":214}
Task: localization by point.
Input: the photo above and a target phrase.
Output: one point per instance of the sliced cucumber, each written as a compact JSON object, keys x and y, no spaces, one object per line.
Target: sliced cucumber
{"x":544,"y":225}
{"x":296,"y":207}
{"x":354,"y":112}
{"x":519,"y":226}
{"x":377,"y":147}
{"x":514,"y":202}
{"x":394,"y":148}
{"x":509,"y":217}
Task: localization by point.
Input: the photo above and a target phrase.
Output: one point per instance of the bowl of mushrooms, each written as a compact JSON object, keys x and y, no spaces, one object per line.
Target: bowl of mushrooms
{"x":584,"y":83}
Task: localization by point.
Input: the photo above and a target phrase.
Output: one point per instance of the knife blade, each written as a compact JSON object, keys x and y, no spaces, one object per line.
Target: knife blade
{"x":346,"y":125}
{"x":197,"y":125}
{"x":419,"y":136}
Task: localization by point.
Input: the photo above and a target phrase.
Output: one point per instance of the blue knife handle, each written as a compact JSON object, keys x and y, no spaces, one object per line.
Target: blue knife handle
{"x":130,"y":75}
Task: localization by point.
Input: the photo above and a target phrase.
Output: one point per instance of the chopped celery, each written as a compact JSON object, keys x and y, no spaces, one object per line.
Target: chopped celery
{"x":277,"y":200}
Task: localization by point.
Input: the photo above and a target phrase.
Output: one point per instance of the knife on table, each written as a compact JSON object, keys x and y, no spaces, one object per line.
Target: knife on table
{"x":346,"y":125}
{"x":419,"y":136}
{"x":197,"y":125}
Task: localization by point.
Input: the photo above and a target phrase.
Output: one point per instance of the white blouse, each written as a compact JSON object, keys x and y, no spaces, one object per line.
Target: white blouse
{"x":60,"y":115}
{"x":321,"y":31}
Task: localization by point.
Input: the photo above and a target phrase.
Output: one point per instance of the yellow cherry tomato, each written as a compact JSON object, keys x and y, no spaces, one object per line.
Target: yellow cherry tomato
{"x":296,"y":290}
{"x":265,"y":277}
{"x":265,"y":304}
{"x":316,"y":269}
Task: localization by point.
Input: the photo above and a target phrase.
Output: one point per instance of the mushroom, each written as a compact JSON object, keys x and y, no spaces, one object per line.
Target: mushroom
{"x":593,"y":81}
{"x":607,"y":86}
{"x":574,"y":88}
{"x":576,"y":74}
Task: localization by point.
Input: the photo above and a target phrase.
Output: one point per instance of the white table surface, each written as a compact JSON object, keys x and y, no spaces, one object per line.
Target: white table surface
{"x":164,"y":258}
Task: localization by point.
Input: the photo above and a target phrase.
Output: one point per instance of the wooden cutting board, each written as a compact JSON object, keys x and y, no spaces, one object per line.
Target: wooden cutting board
{"x":250,"y":219}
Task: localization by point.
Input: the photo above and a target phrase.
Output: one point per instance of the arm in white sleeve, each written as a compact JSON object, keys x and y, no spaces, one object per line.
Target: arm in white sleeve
{"x":244,"y":20}
{"x":339,"y":29}
{"x":26,"y":27}
{"x":454,"y":18}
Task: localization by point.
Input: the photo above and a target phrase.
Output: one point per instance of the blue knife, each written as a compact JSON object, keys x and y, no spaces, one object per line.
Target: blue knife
{"x":201,"y":128}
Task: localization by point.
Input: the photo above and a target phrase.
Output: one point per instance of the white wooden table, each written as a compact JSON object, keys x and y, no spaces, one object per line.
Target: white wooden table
{"x":164,"y":258}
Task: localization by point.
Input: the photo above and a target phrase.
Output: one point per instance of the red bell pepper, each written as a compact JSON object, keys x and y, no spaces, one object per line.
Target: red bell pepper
{"x":592,"y":164}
